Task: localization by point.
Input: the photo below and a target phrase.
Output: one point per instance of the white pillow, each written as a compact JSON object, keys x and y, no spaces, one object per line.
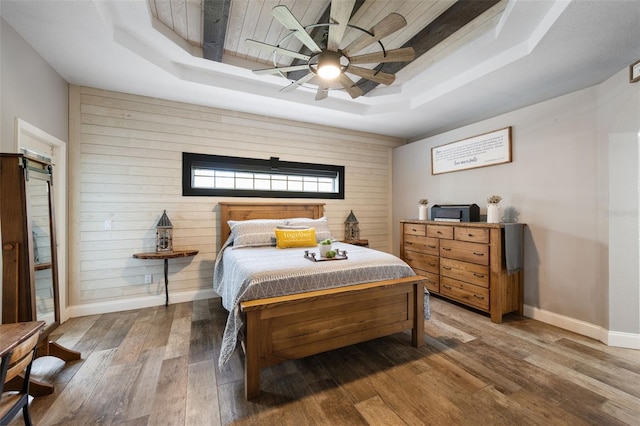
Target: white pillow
{"x":321,"y":225}
{"x":254,"y":233}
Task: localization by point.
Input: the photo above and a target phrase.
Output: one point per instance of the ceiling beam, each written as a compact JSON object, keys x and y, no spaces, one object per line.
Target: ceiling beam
{"x":214,"y":28}
{"x":450,"y":21}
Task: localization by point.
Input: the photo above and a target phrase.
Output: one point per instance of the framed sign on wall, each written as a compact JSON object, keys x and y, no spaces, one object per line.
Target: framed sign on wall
{"x":634,"y":72}
{"x":483,"y":150}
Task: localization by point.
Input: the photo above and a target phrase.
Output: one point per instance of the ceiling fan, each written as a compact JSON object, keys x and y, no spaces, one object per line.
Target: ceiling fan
{"x":327,"y":62}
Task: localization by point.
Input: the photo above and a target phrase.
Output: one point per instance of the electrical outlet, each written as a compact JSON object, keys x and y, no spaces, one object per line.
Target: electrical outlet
{"x":148,"y":279}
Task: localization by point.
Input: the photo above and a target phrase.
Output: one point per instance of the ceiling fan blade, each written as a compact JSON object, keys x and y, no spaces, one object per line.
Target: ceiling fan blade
{"x":350,"y":86}
{"x":322,"y":90}
{"x":281,"y":69}
{"x":298,"y":83}
{"x":379,"y":76}
{"x":280,"y":50}
{"x":286,"y":18}
{"x":392,"y":23}
{"x":339,"y":17}
{"x":404,"y":54}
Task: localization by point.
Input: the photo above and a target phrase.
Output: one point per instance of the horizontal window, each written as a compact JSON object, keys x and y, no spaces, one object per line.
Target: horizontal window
{"x":218,"y":175}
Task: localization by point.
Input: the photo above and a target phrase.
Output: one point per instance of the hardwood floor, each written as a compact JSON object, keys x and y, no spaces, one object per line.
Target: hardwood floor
{"x":158,"y":366}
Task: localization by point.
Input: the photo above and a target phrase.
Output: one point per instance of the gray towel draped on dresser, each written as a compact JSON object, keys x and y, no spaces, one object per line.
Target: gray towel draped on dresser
{"x":514,"y":246}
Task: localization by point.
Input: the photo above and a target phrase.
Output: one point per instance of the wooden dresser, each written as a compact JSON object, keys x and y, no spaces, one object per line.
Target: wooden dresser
{"x":464,"y":262}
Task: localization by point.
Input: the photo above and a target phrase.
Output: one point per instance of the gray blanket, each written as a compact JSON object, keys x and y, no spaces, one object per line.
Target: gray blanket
{"x":261,"y":272}
{"x":514,"y":247}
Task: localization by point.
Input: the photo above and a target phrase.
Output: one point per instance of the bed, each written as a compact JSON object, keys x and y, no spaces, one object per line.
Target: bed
{"x":295,"y":325}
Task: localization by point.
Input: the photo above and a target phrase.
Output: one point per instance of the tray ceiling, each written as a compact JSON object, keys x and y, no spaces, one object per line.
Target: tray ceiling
{"x":434,"y":28}
{"x":514,"y":54}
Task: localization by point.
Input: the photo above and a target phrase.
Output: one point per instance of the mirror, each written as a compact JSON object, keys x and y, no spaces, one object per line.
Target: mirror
{"x":40,"y":208}
{"x":29,"y":259}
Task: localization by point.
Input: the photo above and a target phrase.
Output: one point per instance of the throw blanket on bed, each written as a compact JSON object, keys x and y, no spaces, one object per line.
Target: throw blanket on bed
{"x":260,"y":272}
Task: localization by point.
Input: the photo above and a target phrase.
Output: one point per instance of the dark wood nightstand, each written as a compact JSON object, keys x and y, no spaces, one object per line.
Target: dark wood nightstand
{"x":166,"y":256}
{"x":360,"y":242}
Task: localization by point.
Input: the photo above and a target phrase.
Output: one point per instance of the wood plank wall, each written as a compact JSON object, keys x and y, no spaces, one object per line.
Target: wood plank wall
{"x":125,"y":163}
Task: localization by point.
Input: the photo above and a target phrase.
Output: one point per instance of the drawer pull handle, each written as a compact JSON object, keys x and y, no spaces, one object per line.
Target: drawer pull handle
{"x":414,"y":229}
{"x":409,"y":243}
{"x":448,"y":287}
{"x":478,"y":297}
{"x":448,"y":268}
{"x":432,"y":247}
{"x":446,"y":248}
{"x":438,"y":232}
{"x":432,"y":264}
{"x":469,"y":235}
{"x":478,"y":254}
{"x":478,"y":275}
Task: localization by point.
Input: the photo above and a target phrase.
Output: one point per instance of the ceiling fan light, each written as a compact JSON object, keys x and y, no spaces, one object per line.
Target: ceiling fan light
{"x":329,"y":66}
{"x":328,"y":72}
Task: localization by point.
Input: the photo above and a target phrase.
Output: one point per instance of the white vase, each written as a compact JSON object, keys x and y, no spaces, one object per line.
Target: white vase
{"x":324,"y":248}
{"x":493,"y":213}
{"x":422,"y":212}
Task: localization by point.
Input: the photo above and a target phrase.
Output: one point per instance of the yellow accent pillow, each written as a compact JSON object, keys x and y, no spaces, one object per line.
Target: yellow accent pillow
{"x":287,"y":238}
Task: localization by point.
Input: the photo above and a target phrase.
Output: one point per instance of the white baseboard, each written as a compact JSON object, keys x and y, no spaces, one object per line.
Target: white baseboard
{"x":610,"y":338}
{"x":137,"y":303}
{"x":622,"y":340}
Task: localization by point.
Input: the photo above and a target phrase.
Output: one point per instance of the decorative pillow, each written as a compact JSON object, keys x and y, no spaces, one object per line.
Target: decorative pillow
{"x":287,"y":238}
{"x":321,"y":226}
{"x":254,"y":233}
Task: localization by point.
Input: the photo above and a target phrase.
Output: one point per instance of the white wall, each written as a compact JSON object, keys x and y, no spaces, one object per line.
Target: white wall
{"x":30,"y":89}
{"x":558,"y":182}
{"x":126,"y":166}
{"x":619,"y":124}
{"x":624,"y":272}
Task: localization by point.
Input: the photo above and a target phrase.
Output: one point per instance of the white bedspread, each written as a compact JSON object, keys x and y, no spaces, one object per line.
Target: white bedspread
{"x":260,"y":272}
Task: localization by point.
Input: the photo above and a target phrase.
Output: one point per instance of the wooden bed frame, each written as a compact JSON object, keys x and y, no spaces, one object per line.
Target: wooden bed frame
{"x":289,"y":327}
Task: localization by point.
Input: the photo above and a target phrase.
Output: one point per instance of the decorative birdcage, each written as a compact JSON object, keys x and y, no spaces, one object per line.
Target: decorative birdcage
{"x":164,"y":234}
{"x":351,"y":229}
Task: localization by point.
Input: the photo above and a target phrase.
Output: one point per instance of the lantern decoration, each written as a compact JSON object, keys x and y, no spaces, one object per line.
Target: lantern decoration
{"x":164,"y":234}
{"x":351,"y":230}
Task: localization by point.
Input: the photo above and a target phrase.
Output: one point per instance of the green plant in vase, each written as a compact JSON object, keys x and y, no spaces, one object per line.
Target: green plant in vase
{"x":324,"y":247}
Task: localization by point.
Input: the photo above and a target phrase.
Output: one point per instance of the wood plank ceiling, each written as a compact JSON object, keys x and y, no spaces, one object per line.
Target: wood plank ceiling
{"x":220,"y":27}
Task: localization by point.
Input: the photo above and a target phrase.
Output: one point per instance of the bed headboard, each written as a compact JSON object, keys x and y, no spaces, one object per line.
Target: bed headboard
{"x":247,"y":211}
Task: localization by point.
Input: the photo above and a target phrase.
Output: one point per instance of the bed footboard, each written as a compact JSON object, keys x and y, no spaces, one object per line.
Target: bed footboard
{"x":300,"y":325}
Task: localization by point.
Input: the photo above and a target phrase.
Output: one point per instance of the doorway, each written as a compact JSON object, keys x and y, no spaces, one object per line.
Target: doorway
{"x":37,"y":141}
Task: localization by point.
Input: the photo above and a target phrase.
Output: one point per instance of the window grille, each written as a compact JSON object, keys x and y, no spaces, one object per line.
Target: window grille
{"x":216,"y":175}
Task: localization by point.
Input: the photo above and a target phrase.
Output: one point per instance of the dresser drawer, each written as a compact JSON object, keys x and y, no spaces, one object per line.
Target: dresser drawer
{"x":473,"y":235}
{"x":466,"y":293}
{"x":414,"y":229}
{"x":422,"y":244}
{"x":432,"y":281}
{"x":467,"y":252}
{"x":440,"y":231}
{"x":465,"y":271}
{"x":423,"y":262}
